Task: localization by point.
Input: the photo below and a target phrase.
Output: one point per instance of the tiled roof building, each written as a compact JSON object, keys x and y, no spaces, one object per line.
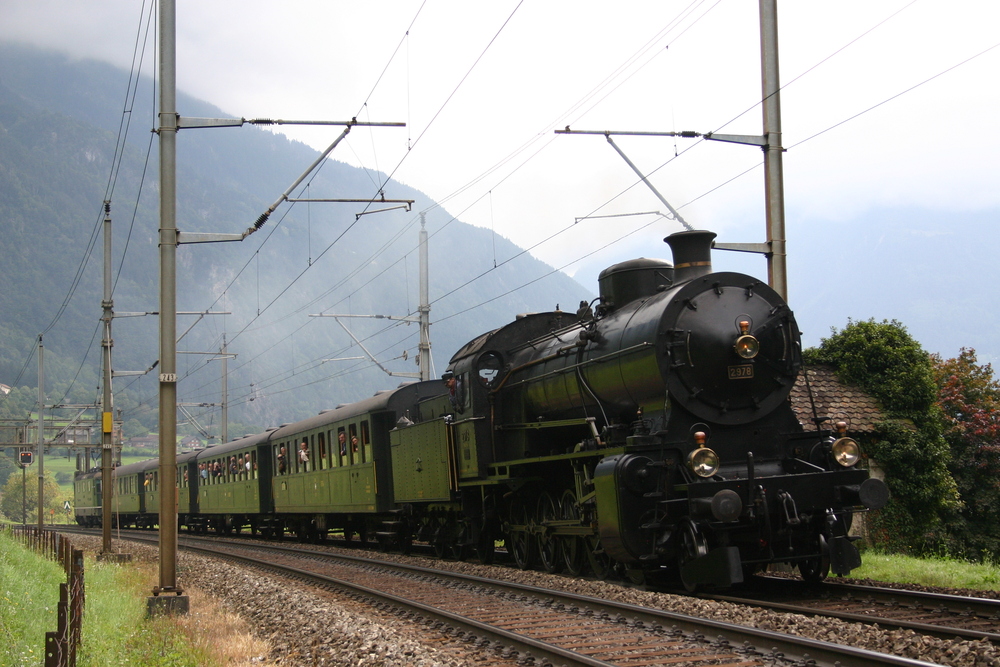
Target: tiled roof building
{"x":836,"y":399}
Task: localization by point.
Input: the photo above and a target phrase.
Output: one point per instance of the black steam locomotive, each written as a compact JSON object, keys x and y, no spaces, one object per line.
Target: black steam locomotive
{"x":654,"y":434}
{"x":651,"y":434}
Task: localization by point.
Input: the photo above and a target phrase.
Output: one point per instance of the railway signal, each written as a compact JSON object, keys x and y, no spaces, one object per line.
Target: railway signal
{"x":26,"y":459}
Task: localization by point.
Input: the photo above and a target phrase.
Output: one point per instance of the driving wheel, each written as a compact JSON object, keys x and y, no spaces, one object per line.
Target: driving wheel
{"x":519,"y":541}
{"x":548,"y":544}
{"x":573,"y":546}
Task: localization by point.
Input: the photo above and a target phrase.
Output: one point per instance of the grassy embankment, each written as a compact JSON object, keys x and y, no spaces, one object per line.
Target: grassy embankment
{"x":944,"y":572}
{"x":115,"y":628}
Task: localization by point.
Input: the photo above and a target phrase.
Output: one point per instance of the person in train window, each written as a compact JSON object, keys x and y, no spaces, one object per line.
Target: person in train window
{"x":304,"y":455}
{"x":342,"y":439}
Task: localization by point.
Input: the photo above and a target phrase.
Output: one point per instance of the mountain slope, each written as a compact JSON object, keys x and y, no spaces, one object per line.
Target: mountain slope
{"x":58,"y":123}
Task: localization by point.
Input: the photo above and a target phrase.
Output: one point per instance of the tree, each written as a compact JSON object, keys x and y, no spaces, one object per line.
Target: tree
{"x":11,"y":499}
{"x":133,"y":428}
{"x":969,"y":398}
{"x":884,"y":360}
{"x":7,"y":468}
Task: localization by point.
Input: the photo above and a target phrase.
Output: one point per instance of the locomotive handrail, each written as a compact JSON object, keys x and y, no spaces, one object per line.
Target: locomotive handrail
{"x":556,"y":423}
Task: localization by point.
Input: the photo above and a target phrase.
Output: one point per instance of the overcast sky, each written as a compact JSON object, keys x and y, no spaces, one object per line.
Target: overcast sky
{"x":482,"y":85}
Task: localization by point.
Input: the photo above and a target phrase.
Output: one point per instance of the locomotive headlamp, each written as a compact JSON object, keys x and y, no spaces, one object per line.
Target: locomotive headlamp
{"x":846,"y":452}
{"x":703,"y":462}
{"x":747,"y":346}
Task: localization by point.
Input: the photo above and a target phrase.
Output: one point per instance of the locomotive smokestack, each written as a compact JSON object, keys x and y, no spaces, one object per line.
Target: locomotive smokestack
{"x":692,"y":254}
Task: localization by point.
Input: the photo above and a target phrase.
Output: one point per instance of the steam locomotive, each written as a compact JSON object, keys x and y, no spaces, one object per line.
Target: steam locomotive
{"x":651,"y":434}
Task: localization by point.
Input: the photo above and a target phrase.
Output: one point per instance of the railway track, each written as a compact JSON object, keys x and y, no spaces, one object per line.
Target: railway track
{"x":531,"y":623}
{"x":934,"y":614}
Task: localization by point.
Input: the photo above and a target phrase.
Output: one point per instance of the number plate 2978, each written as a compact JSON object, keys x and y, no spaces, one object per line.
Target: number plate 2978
{"x":743,"y":372}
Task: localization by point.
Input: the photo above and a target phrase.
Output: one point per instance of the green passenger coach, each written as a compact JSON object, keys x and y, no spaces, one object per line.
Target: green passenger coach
{"x":332,"y":471}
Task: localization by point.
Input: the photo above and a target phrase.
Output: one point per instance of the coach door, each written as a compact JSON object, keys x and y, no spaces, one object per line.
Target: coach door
{"x":363,"y":487}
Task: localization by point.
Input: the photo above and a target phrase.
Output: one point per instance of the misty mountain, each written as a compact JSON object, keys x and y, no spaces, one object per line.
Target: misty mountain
{"x":59,"y":119}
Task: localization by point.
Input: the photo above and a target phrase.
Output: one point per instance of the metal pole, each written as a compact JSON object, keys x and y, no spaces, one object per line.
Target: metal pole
{"x":425,"y":307}
{"x":107,"y":409}
{"x":677,"y":216}
{"x":168,"y":299}
{"x":24,"y":495}
{"x":225,"y":391}
{"x":774,"y":180}
{"x":41,"y":435}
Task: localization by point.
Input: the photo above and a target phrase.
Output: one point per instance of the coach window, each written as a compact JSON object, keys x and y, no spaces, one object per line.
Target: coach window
{"x":340,"y":447}
{"x":352,"y":444}
{"x":366,"y":441}
{"x":321,"y":451}
{"x":300,"y":453}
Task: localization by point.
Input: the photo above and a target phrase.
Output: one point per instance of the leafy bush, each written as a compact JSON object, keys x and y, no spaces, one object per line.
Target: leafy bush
{"x":969,"y":399}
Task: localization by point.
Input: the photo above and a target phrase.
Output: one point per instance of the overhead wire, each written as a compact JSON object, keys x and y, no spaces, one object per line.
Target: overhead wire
{"x":120,"y":139}
{"x":388,"y":177}
{"x":649,"y":45}
{"x":455,"y":90}
{"x":747,"y":170}
{"x":132,"y":90}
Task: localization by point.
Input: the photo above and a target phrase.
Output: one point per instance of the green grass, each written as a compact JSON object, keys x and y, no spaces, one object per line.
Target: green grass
{"x":29,"y":593}
{"x":945,"y":572}
{"x":115,"y":628}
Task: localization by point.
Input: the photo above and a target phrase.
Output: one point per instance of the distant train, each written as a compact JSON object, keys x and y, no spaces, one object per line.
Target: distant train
{"x":652,"y":435}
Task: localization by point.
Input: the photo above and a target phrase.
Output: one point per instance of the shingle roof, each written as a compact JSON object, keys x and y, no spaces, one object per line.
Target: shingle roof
{"x":836,"y":399}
